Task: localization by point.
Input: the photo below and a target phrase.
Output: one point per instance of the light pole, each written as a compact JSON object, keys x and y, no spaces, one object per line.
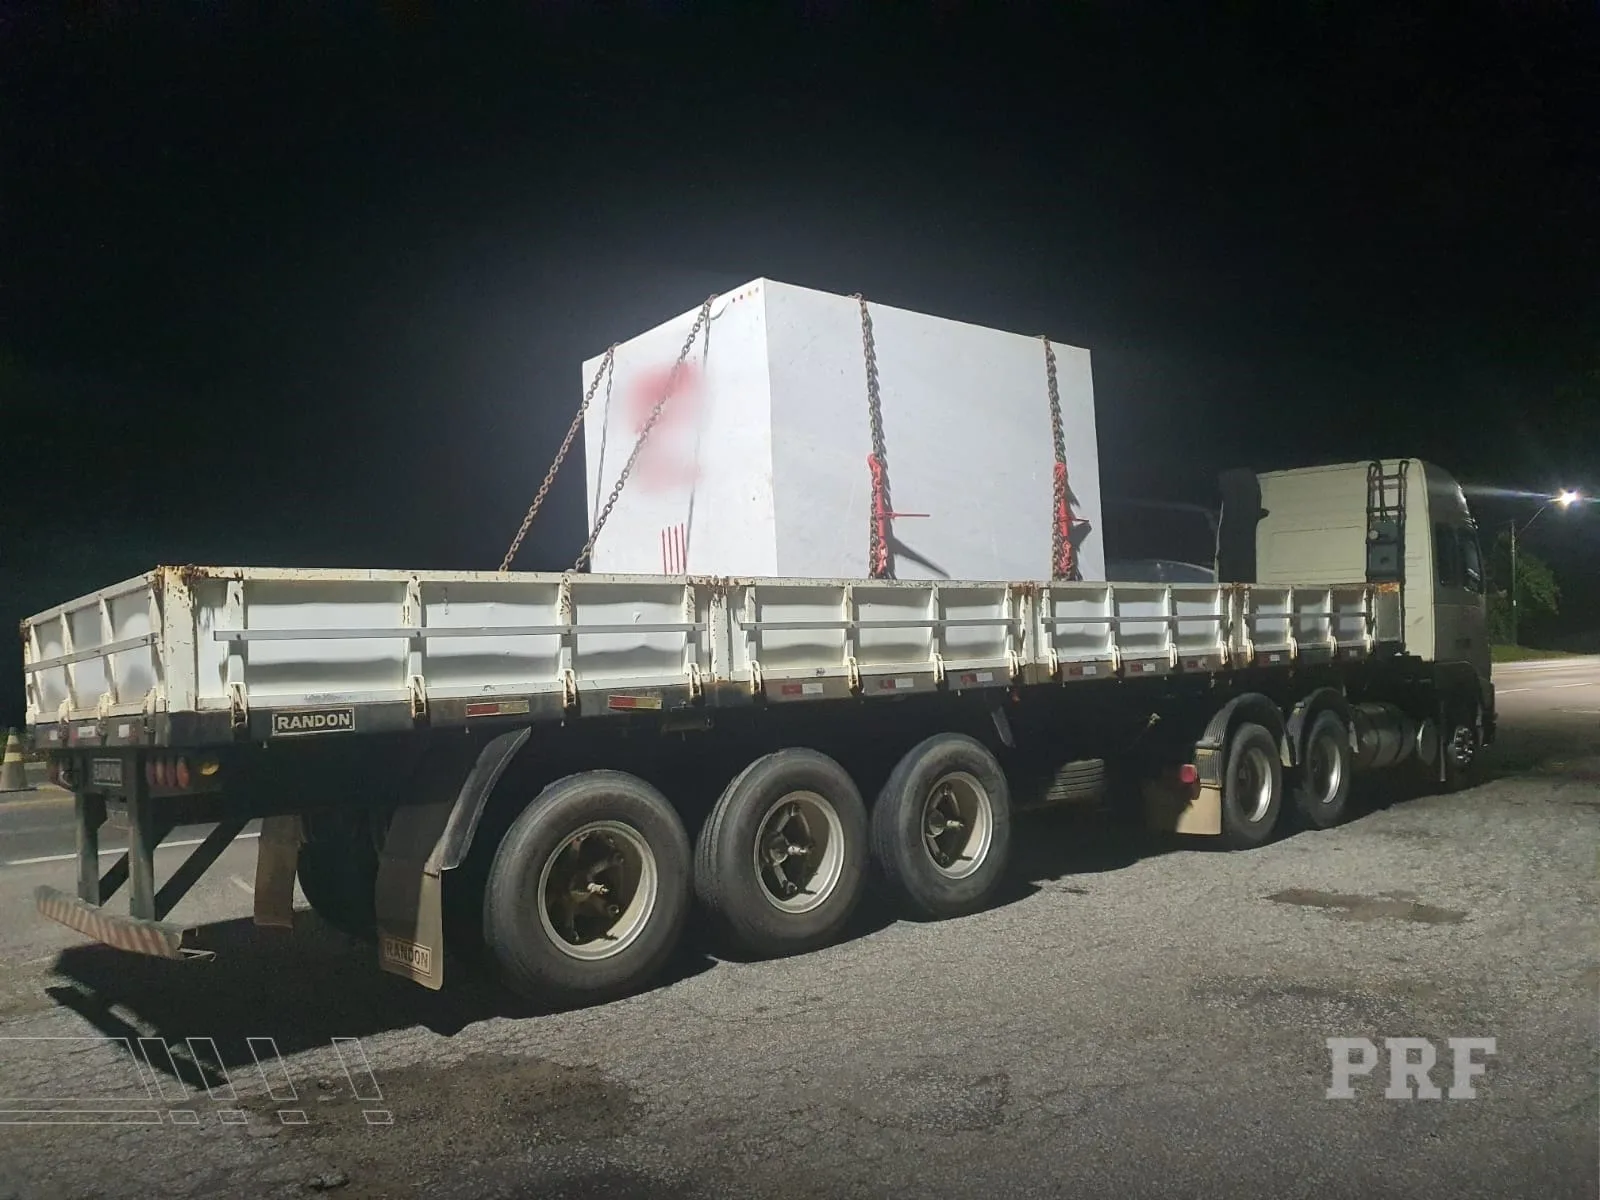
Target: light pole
{"x":1565,"y":498}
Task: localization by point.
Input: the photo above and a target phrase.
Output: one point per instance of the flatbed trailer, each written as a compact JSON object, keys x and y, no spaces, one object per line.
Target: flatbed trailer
{"x":557,"y":768}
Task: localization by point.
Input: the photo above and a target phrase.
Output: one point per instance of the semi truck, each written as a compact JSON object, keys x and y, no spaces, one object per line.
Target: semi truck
{"x":549,"y":774}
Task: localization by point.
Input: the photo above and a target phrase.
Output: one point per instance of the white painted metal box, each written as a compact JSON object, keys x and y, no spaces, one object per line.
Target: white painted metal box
{"x":758,"y":465}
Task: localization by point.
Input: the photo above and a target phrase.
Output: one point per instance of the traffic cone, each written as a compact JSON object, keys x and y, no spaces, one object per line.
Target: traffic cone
{"x":14,"y":771}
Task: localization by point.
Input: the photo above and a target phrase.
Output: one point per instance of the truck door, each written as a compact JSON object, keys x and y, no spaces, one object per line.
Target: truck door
{"x":1460,"y":620}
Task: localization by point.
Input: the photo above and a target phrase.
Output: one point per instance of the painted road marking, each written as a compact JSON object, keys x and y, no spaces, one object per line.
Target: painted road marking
{"x":1549,"y":687}
{"x":52,"y":797}
{"x":54,"y":858}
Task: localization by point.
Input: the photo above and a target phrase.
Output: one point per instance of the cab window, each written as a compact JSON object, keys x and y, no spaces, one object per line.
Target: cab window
{"x":1471,"y":560}
{"x":1457,"y":561}
{"x":1447,"y":557}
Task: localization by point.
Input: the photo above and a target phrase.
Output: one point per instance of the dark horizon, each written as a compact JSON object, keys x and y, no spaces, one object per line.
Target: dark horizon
{"x":315,"y":289}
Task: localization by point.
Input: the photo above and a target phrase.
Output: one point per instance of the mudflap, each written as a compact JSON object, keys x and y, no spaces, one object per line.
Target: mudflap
{"x":1203,"y":814}
{"x":410,"y":893}
{"x":277,"y":857}
{"x":1171,"y":806}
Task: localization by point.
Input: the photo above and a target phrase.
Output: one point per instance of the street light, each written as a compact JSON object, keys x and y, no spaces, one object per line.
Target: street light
{"x":1565,"y":498}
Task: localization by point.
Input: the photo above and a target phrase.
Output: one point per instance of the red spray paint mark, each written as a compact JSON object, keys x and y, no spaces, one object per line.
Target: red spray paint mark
{"x":675,"y":550}
{"x":667,"y":461}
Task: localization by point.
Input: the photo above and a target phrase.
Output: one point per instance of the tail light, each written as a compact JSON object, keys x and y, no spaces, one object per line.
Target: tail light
{"x":178,"y":772}
{"x":1188,"y":774}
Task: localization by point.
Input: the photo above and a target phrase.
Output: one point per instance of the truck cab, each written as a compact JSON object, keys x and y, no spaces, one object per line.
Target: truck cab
{"x":1399,"y":521}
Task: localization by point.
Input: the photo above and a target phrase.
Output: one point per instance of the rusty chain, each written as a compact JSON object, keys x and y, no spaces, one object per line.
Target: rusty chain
{"x":880,"y":563}
{"x":1058,"y":437}
{"x":607,"y":363}
{"x":700,"y":322}
{"x":1063,"y":559}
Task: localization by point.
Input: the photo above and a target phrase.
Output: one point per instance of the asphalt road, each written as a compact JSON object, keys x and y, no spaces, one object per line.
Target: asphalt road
{"x":1126,"y":1024}
{"x":36,"y":828}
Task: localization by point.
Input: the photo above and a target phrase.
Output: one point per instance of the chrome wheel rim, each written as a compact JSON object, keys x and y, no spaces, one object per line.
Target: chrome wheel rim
{"x":598,"y":890}
{"x":799,"y":852}
{"x":1325,"y":766}
{"x":1463,"y":746}
{"x":957,"y":825}
{"x":1253,"y":778}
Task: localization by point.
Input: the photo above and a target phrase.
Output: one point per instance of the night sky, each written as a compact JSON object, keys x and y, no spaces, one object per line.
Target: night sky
{"x":315,"y":290}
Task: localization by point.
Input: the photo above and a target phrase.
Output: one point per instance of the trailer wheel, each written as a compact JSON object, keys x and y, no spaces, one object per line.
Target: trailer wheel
{"x":1322,"y":791}
{"x":588,"y":892}
{"x":1252,"y":789}
{"x":781,"y":862}
{"x":338,"y":871}
{"x":941,"y":829}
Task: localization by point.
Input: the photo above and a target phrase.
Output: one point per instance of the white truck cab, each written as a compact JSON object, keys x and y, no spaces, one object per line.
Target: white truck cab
{"x":1393,"y":520}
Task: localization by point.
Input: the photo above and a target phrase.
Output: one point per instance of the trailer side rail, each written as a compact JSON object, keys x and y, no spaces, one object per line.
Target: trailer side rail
{"x":189,"y":654}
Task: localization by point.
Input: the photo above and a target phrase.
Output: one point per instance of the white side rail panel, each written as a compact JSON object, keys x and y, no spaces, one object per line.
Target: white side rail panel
{"x":291,"y":639}
{"x":804,"y":639}
{"x":223,"y":640}
{"x":100,"y":655}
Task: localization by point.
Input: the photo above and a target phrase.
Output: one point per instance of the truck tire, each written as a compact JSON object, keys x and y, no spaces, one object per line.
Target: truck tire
{"x":1322,"y":788}
{"x":1252,"y":788}
{"x":1461,"y":745}
{"x":338,"y":872}
{"x":588,"y":892}
{"x":941,"y":829}
{"x":780,"y":864}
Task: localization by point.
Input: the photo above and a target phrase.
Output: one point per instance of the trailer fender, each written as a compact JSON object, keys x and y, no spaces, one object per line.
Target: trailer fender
{"x":1304,"y":713}
{"x":1251,"y":706}
{"x":1204,"y":814}
{"x":425,"y":839}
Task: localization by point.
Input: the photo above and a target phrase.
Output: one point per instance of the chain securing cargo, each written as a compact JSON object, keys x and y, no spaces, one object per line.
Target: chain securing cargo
{"x":880,"y":558}
{"x":1063,"y":552}
{"x":607,"y":365}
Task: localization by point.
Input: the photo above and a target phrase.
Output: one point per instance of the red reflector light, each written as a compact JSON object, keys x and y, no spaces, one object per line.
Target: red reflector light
{"x":1188,"y":774}
{"x":180,"y":773}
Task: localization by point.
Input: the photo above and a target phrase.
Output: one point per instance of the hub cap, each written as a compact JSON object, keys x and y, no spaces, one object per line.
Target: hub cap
{"x":1325,"y":766}
{"x":799,"y":852}
{"x":957,"y":825}
{"x":597,"y":891}
{"x":1253,"y":778}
